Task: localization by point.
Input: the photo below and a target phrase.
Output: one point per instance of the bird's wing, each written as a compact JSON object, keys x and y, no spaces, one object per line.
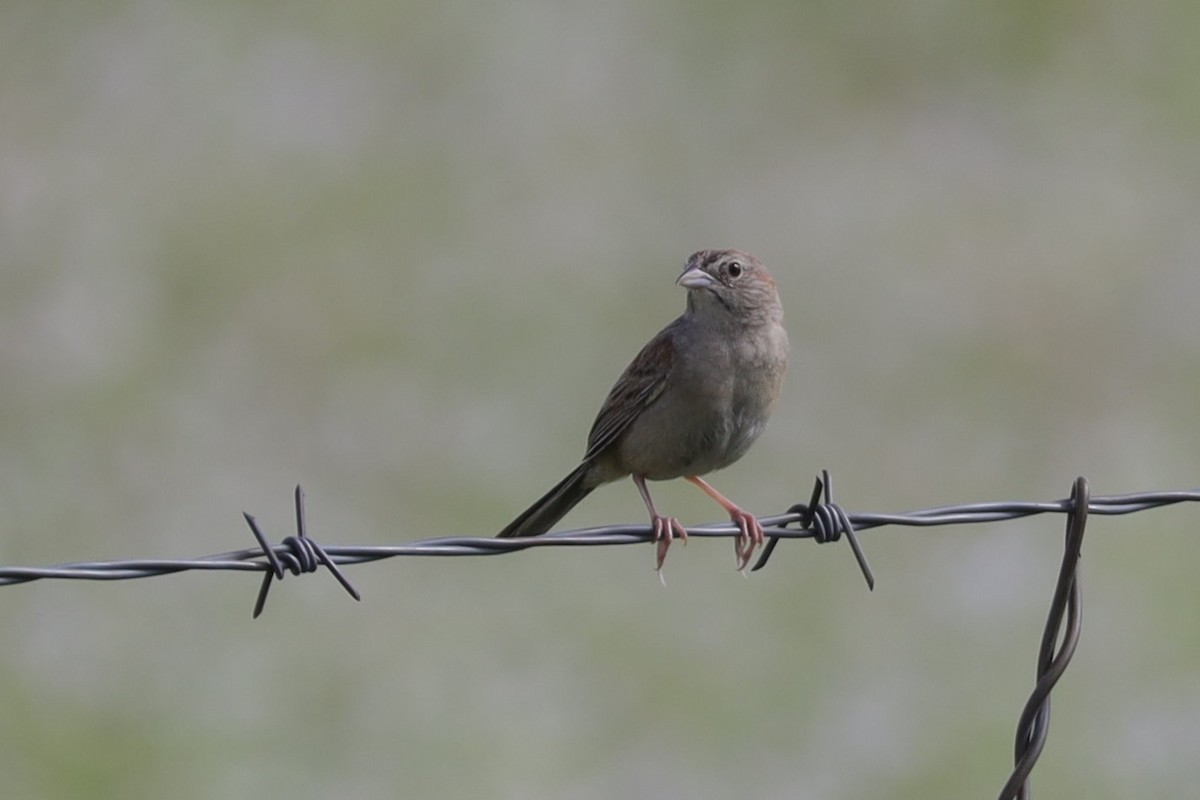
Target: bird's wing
{"x":639,"y":386}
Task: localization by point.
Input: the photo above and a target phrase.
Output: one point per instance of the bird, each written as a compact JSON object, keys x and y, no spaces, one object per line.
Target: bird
{"x":691,"y":402}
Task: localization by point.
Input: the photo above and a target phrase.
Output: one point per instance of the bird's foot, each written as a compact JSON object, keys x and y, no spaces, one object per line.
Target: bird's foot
{"x":750,"y":536}
{"x":666,"y":529}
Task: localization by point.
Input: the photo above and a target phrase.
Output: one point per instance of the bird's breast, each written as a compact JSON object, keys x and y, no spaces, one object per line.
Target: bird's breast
{"x":716,"y":403}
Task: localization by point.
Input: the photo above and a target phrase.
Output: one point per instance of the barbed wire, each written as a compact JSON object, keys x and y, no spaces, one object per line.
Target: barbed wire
{"x":820,"y":519}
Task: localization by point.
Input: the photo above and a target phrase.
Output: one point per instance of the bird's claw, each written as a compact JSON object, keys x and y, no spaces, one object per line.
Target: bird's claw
{"x":750,"y":536}
{"x":666,"y":529}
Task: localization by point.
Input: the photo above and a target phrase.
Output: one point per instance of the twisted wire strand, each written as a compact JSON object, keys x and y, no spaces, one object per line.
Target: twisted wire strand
{"x":821,"y":520}
{"x":256,"y":559}
{"x":1033,"y":727}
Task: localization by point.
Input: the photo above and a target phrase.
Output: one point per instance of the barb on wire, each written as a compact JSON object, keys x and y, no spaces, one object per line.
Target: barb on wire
{"x":828,"y":522}
{"x":1034,"y":724}
{"x":301,"y":554}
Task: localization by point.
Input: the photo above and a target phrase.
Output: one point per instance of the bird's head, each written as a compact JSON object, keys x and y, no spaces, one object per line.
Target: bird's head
{"x":730,"y":283}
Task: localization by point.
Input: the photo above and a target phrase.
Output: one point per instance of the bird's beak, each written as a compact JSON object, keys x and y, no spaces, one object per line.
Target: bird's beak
{"x":695,"y":278}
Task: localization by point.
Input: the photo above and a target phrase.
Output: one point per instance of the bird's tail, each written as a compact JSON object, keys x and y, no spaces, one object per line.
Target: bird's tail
{"x":551,"y":507}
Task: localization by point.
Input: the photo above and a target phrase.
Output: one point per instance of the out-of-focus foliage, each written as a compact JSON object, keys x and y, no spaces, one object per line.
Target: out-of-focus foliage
{"x":399,"y":252}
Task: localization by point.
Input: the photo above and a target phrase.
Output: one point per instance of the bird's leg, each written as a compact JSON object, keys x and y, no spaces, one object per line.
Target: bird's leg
{"x":751,"y":533}
{"x":665,"y":528}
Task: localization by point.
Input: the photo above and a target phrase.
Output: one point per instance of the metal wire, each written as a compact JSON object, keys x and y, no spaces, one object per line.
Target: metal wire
{"x":258,"y":559}
{"x":1034,"y":724}
{"x":821,"y":520}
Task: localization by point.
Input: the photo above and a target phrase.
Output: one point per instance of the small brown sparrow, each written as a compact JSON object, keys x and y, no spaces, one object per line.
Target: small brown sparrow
{"x":693,"y":401}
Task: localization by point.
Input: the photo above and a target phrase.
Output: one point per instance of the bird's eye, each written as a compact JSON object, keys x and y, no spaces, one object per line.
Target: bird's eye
{"x":734,"y":269}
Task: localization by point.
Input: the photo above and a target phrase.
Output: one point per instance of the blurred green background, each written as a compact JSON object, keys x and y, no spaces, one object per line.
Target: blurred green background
{"x":399,"y":252}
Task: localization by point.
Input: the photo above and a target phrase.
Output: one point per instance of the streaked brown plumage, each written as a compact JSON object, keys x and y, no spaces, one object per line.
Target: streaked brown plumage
{"x":692,"y":401}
